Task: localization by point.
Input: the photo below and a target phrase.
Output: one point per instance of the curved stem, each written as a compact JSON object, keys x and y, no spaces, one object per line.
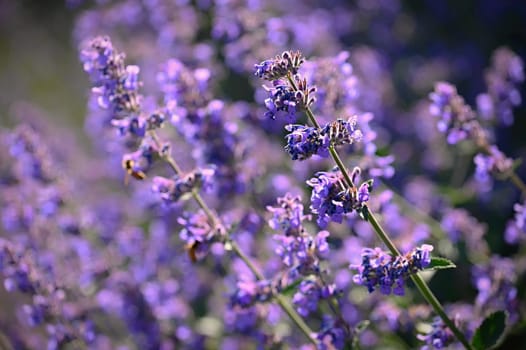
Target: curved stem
{"x":433,"y":301}
{"x":516,"y":180}
{"x":214,"y":220}
{"x":419,"y":282}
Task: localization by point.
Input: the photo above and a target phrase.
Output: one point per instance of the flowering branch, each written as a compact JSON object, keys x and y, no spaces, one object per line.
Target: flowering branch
{"x":369,"y":216}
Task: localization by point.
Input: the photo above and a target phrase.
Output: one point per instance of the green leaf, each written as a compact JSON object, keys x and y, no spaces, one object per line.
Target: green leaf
{"x":490,"y":331}
{"x":291,"y":288}
{"x":438,"y":263}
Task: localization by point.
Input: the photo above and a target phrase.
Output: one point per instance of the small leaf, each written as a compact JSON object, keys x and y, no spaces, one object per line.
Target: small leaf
{"x":291,"y":288}
{"x":438,"y":263}
{"x":490,"y":331}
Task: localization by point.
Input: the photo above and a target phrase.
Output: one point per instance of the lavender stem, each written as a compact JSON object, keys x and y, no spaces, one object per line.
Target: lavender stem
{"x":214,"y":220}
{"x":419,"y":282}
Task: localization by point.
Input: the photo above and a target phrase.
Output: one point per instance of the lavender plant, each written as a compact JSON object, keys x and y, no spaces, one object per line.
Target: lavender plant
{"x":336,"y":205}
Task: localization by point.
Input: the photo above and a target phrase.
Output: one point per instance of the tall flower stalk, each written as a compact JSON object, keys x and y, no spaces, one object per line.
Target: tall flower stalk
{"x":117,"y":88}
{"x":299,"y":94}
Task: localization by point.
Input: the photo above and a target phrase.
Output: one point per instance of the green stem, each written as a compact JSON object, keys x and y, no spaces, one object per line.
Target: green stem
{"x":433,"y":301}
{"x":516,"y":180}
{"x":419,"y":282}
{"x":214,"y":220}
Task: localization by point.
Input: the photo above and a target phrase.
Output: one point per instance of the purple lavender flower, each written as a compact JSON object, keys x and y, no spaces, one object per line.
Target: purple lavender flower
{"x":304,"y":142}
{"x":379,"y":269}
{"x":496,"y":163}
{"x":198,"y":234}
{"x":516,"y":229}
{"x":331,"y":199}
{"x":302,"y":253}
{"x":248,"y":293}
{"x":309,"y":294}
{"x":138,"y":163}
{"x":342,"y":132}
{"x":439,"y":337}
{"x":456,"y":119}
{"x":332,"y":334}
{"x":115,"y":84}
{"x":172,"y":190}
{"x":288,"y":215}
{"x":280,"y":66}
{"x":496,"y":285}
{"x":32,"y":156}
{"x":502,"y":79}
{"x":283,"y":101}
{"x":137,"y":125}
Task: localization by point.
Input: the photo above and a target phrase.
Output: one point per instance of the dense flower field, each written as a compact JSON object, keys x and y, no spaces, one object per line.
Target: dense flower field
{"x":273,"y":175}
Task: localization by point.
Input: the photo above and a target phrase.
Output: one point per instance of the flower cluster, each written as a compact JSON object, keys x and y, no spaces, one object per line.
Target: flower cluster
{"x":288,"y":215}
{"x":331,"y":197}
{"x":381,"y":270}
{"x":516,"y":228}
{"x":309,"y":294}
{"x":198,"y":234}
{"x":284,"y":100}
{"x":302,"y":253}
{"x":502,"y":79}
{"x":115,"y":83}
{"x":172,"y":190}
{"x":286,"y":63}
{"x":455,"y":117}
{"x":248,"y":293}
{"x":439,"y":337}
{"x":487,"y":166}
{"x":304,"y":141}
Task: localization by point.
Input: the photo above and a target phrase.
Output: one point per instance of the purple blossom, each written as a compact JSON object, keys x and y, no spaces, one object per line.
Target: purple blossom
{"x":302,"y":253}
{"x":439,"y":337}
{"x":494,"y":164}
{"x":516,"y":228}
{"x":282,"y":102}
{"x":332,"y":334}
{"x":455,"y":117}
{"x":199,"y":234}
{"x":331,"y":199}
{"x":502,"y":80}
{"x":304,"y":142}
{"x":495,"y":283}
{"x":286,"y":63}
{"x":309,"y":294}
{"x":115,"y":84}
{"x":288,"y":215}
{"x":172,"y":190}
{"x":248,"y":293}
{"x":381,"y":270}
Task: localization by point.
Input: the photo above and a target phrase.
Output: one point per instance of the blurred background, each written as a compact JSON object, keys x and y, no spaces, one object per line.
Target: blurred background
{"x":420,"y":42}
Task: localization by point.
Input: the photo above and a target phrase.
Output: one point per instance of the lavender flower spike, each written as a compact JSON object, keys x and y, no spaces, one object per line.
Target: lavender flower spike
{"x":172,"y":190}
{"x":280,"y":66}
{"x":331,"y":199}
{"x":304,"y":141}
{"x":455,"y":117}
{"x":380,"y":270}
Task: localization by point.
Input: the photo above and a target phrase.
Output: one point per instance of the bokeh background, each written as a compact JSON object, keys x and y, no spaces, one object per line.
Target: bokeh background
{"x":422,"y":42}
